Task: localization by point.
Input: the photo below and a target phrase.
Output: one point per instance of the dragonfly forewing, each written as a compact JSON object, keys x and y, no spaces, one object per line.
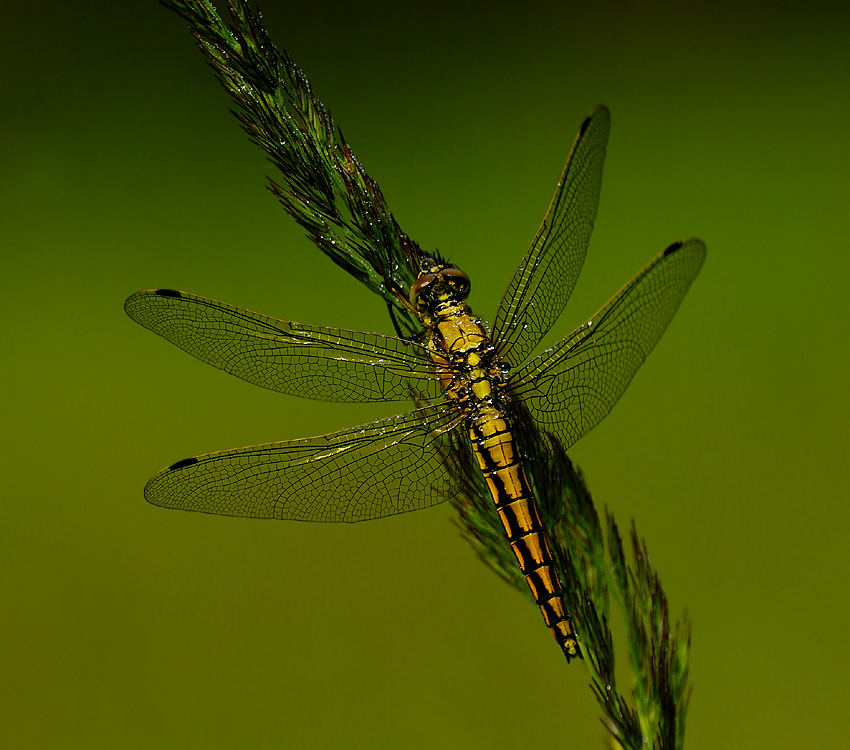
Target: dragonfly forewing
{"x":300,"y":360}
{"x":571,"y":387}
{"x":378,"y":469}
{"x":547,"y":273}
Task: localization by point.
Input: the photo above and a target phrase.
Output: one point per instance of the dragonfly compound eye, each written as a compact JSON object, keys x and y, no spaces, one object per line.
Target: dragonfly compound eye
{"x":457,"y":281}
{"x":420,"y":286}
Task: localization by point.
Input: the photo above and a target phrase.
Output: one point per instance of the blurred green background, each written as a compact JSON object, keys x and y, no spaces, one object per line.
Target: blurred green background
{"x":124,"y":625}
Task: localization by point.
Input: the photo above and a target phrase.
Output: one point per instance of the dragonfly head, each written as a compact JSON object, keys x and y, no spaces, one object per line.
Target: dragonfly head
{"x":438,"y":283}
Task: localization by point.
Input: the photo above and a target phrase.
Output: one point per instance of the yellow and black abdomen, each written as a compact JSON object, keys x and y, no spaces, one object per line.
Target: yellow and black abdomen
{"x":472,"y":378}
{"x":503,"y":471}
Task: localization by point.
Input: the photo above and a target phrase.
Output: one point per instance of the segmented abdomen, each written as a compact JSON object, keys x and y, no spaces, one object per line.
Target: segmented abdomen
{"x":503,"y":471}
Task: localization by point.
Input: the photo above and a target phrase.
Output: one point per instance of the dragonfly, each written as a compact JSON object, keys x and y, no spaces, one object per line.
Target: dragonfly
{"x":474,"y":386}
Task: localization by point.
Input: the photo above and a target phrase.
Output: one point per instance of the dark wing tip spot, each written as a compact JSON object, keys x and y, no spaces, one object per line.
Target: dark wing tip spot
{"x":599,"y":112}
{"x":168,"y":293}
{"x":183,"y":464}
{"x":673,"y":248}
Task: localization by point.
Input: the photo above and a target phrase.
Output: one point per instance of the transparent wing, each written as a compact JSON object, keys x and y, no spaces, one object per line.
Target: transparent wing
{"x":571,"y":387}
{"x":378,"y":469}
{"x":547,"y":273}
{"x":301,"y":360}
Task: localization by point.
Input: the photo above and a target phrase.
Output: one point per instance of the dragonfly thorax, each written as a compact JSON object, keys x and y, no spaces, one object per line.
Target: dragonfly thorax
{"x":472,"y":374}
